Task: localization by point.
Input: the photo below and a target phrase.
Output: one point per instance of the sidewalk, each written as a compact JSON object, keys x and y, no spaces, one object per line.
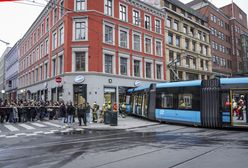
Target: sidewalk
{"x":123,"y":123}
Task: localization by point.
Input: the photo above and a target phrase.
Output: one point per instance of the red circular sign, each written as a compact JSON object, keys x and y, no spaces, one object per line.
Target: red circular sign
{"x":58,"y":79}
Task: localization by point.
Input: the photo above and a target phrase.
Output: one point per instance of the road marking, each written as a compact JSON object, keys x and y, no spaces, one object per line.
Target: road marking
{"x":11,"y":127}
{"x":11,"y":136}
{"x":20,"y":134}
{"x":31,"y":134}
{"x":39,"y":132}
{"x":52,"y":124}
{"x":38,"y":125}
{"x":47,"y":133}
{"x":26,"y":126}
{"x":1,"y":136}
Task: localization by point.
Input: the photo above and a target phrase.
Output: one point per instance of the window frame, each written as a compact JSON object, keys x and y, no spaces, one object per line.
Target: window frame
{"x":80,"y":20}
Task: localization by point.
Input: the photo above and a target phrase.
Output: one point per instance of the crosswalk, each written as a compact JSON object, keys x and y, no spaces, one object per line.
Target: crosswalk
{"x":8,"y":130}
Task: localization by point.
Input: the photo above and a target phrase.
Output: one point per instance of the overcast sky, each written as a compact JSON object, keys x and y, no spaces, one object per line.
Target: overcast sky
{"x":17,"y":17}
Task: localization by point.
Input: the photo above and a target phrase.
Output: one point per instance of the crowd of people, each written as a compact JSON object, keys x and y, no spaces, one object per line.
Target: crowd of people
{"x":23,"y":111}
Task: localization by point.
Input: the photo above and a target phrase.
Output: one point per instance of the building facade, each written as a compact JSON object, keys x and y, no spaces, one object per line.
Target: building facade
{"x":2,"y":74}
{"x":227,"y":24}
{"x":187,"y":42}
{"x":11,"y":73}
{"x":97,"y":49}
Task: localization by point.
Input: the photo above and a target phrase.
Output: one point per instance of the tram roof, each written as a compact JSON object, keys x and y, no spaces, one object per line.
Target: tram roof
{"x":180,"y":84}
{"x":226,"y":81}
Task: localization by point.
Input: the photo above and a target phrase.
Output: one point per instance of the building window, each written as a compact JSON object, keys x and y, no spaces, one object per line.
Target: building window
{"x":159,"y":71}
{"x":108,"y":7}
{"x":136,"y":18}
{"x":80,"y":61}
{"x":171,"y":56}
{"x":137,"y":42}
{"x":80,"y":5}
{"x":41,"y":50}
{"x":46,"y":70}
{"x":123,"y":36}
{"x":61,"y":63}
{"x":175,"y":25}
{"x":158,"y":48}
{"x":36,"y":74}
{"x":80,"y":29}
{"x":168,"y":22}
{"x":54,"y":67}
{"x":46,"y":46}
{"x":187,"y":61}
{"x":123,"y":13}
{"x":54,"y":44}
{"x":148,"y":45}
{"x":55,"y":17}
{"x":47,"y":24}
{"x":41,"y":73}
{"x":170,"y":38}
{"x":187,"y":44}
{"x":157,"y":26}
{"x":136,"y":68}
{"x":147,"y":22}
{"x":148,"y":70}
{"x":109,"y":34}
{"x":185,"y":29}
{"x":61,"y":35}
{"x":193,"y":45}
{"x":178,"y":41}
{"x":108,"y":63}
{"x":62,"y":8}
{"x":123,"y":66}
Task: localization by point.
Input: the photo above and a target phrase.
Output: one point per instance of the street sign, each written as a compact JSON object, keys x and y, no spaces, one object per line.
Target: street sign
{"x":58,"y":79}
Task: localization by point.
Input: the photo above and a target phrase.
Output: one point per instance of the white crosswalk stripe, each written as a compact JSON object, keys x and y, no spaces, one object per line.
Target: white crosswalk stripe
{"x":39,"y":125}
{"x":52,"y":124}
{"x":26,"y":126}
{"x":11,"y":127}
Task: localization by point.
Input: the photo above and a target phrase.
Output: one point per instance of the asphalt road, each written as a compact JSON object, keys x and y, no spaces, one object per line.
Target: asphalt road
{"x":158,"y":146}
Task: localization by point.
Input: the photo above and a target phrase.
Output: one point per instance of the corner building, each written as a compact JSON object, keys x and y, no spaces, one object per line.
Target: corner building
{"x":98,"y":49}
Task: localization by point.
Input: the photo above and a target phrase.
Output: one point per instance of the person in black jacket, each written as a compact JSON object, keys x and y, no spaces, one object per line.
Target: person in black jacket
{"x":62,"y":112}
{"x":81,"y":114}
{"x":70,"y":113}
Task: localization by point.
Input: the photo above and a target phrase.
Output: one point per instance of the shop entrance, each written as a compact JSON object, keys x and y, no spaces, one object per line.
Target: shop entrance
{"x":79,"y":94}
{"x":109,"y":95}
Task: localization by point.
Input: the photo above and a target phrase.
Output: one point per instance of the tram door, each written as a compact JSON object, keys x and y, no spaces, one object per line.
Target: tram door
{"x":145,"y":105}
{"x":239,"y":107}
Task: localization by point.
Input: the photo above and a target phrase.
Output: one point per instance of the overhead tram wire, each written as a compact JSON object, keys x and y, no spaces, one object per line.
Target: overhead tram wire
{"x":30,"y":4}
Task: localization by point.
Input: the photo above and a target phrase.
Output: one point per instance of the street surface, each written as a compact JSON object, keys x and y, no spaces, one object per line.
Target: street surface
{"x":157,"y":145}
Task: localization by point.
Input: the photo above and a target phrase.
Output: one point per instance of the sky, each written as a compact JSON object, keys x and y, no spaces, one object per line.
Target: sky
{"x":17,"y":17}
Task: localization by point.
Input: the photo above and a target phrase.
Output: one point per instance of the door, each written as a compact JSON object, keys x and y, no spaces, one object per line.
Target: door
{"x":239,"y":107}
{"x":80,"y":94}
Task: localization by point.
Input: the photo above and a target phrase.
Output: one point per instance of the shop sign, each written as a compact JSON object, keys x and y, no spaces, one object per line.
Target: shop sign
{"x":58,"y":79}
{"x":137,"y":83}
{"x":79,"y":79}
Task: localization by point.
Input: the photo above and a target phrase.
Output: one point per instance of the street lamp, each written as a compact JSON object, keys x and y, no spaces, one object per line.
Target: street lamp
{"x":3,"y":91}
{"x":173,"y":66}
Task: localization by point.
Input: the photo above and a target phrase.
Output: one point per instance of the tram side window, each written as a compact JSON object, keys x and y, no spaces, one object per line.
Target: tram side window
{"x":185,"y":101}
{"x":164,"y":100}
{"x":167,"y":100}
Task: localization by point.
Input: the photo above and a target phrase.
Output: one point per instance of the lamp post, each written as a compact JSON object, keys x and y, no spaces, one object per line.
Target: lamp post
{"x":173,"y":66}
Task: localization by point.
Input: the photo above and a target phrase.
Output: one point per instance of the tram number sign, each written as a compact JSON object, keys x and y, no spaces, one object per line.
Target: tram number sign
{"x":58,"y":79}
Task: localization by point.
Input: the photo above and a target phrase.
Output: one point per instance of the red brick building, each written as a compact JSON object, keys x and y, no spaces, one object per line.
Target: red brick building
{"x":227,"y":24}
{"x":98,"y":49}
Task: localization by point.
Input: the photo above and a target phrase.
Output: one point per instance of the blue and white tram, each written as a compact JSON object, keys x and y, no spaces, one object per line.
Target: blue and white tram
{"x":212,"y":103}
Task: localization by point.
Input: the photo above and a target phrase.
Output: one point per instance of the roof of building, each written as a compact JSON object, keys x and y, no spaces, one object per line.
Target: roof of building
{"x":188,"y":9}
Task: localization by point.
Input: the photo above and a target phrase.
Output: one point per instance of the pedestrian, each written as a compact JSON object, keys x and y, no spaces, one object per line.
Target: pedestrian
{"x":80,"y":113}
{"x":2,"y":112}
{"x":62,"y":112}
{"x":94,"y":112}
{"x":15,"y":113}
{"x":70,"y":113}
{"x":87,"y":112}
